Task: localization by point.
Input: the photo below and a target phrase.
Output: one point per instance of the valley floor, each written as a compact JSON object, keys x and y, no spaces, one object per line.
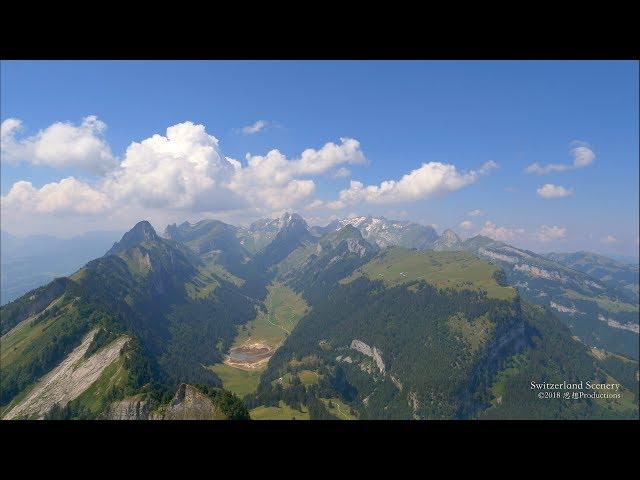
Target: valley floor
{"x":256,"y":342}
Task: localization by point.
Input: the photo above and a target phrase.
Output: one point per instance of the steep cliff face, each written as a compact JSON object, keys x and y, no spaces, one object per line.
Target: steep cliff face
{"x":189,"y":403}
{"x":133,"y":408}
{"x":67,"y":381}
{"x":141,"y":232}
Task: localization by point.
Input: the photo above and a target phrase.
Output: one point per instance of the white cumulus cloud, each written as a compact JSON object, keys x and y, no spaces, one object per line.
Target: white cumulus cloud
{"x":609,"y":239}
{"x":492,"y":230}
{"x":315,"y":205}
{"x":545,"y":234}
{"x":550,"y":233}
{"x":277,"y":182}
{"x":476,"y":213}
{"x":582,"y":156}
{"x":185,"y":170}
{"x":182,"y":170}
{"x":466,"y":225}
{"x":255,"y":128}
{"x":430,"y":179}
{"x":549,"y":190}
{"x":60,"y":145}
{"x":69,"y":195}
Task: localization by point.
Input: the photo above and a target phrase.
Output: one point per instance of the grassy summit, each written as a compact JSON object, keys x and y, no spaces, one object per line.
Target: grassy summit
{"x":457,"y":270}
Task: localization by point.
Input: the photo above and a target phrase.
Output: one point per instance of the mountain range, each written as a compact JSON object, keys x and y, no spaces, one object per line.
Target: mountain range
{"x":363,"y":318}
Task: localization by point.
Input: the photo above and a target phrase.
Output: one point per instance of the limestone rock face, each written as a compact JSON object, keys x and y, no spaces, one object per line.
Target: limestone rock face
{"x":372,"y":352}
{"x":129,"y":409}
{"x":189,"y":403}
{"x":141,"y":232}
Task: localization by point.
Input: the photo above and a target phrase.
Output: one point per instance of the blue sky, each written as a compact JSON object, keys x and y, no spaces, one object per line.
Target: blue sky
{"x":402,"y":114}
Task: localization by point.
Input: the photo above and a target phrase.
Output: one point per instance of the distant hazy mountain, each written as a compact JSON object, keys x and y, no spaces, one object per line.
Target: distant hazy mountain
{"x":608,"y":270}
{"x":449,"y":240}
{"x":634,"y":261}
{"x":28,"y":262}
{"x":260,"y":233}
{"x":293,"y":232}
{"x":212,"y":239}
{"x":384,"y":232}
{"x":580,"y":288}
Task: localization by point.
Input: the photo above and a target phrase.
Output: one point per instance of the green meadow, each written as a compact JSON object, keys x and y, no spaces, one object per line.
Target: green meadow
{"x":338,"y":408}
{"x":284,"y":309}
{"x":239,"y":381}
{"x":457,"y":270}
{"x":282,"y":412}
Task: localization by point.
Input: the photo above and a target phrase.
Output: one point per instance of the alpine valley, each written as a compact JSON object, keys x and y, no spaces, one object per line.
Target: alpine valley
{"x":364,"y":318}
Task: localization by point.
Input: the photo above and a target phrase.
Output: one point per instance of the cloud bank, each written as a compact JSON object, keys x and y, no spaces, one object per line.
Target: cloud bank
{"x":544,"y":234}
{"x":182,"y":170}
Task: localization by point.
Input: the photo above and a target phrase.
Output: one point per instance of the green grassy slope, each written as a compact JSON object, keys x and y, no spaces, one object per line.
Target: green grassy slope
{"x":458,"y":270}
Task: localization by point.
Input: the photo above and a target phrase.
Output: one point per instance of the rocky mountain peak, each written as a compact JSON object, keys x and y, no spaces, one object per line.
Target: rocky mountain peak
{"x":289,"y":220}
{"x":349,"y":231}
{"x":449,"y":240}
{"x":384,"y":232}
{"x":450,"y":235}
{"x":172,"y":231}
{"x":141,"y":232}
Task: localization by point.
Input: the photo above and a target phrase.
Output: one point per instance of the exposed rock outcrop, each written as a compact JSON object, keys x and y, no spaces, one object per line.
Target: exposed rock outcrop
{"x":396,"y":382}
{"x":189,"y":403}
{"x":372,"y":352}
{"x":69,"y":379}
{"x":534,"y":271}
{"x":497,"y":256}
{"x":561,"y":308}
{"x":141,"y":232}
{"x":129,"y":409}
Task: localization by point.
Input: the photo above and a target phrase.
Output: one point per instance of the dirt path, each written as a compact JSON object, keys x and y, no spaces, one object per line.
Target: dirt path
{"x":280,"y":326}
{"x":69,"y":379}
